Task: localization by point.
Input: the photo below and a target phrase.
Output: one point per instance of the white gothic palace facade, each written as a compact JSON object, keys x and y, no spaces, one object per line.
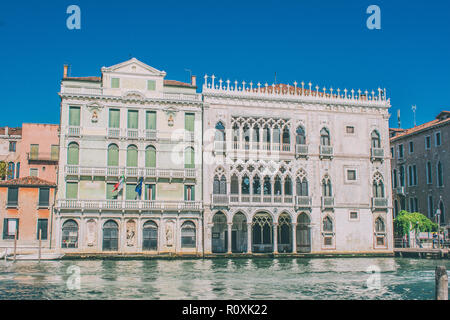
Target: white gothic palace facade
{"x":150,"y":166}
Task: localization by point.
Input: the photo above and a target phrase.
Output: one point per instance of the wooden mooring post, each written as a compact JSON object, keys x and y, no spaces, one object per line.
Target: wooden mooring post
{"x":40,"y":244}
{"x":15,"y":245}
{"x":441,"y":283}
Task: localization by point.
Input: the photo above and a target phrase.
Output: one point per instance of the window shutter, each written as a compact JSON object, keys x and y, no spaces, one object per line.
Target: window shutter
{"x":189,"y":122}
{"x":115,"y":83}
{"x":72,"y":154}
{"x":5,"y":228}
{"x":151,"y":120}
{"x":72,"y":190}
{"x":114,"y":118}
{"x":192,"y":193}
{"x":54,"y":155}
{"x":132,"y":157}
{"x":113,"y":156}
{"x":151,"y":85}
{"x":150,"y":157}
{"x":130,"y":192}
{"x":13,"y":195}
{"x":44,"y":195}
{"x":74,"y":116}
{"x":132,"y":119}
{"x":34,"y":151}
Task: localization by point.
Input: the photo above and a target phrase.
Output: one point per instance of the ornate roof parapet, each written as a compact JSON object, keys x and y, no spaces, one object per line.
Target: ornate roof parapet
{"x":302,"y":92}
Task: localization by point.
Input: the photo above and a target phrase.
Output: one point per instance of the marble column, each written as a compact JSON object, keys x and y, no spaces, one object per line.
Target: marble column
{"x":249,"y":237}
{"x":229,"y":237}
{"x":294,"y":237}
{"x":275,"y":238}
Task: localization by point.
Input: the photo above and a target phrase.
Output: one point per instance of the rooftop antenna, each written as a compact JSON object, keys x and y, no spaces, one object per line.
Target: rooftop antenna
{"x":398,"y":119}
{"x":414,"y":108}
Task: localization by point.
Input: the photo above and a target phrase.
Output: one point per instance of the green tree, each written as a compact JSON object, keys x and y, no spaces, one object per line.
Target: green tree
{"x":407,"y":221}
{"x":3,"y":169}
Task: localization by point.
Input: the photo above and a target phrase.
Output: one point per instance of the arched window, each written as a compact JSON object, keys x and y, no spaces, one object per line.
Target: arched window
{"x":267,"y":186}
{"x":256,"y":138}
{"x":73,"y":153}
{"x":379,"y":225}
{"x":302,"y":187}
{"x":113,"y":155}
{"x":234,"y":184}
{"x":300,"y":137}
{"x":256,"y":185}
{"x":132,"y":156}
{"x":150,"y":236}
{"x":266,"y":135}
{"x":327,"y":224}
{"x":235,"y":136}
{"x":277,"y":186}
{"x":440,"y":176}
{"x":326,"y":187}
{"x":245,"y":186}
{"x":150,"y":157}
{"x":276,"y":134}
{"x":378,"y":186}
{"x":110,"y":236}
{"x":442,"y":209}
{"x":286,"y":136}
{"x":69,"y":237}
{"x":189,"y":158}
{"x":246,"y":137}
{"x":288,"y":186}
{"x":188,"y":235}
{"x":220,"y":132}
{"x":220,"y":185}
{"x":324,"y":137}
{"x":11,"y":168}
{"x":376,"y":142}
{"x":18,"y":170}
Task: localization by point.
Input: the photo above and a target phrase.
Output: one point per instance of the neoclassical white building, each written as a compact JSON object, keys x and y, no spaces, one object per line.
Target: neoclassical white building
{"x":295,"y":169}
{"x":134,"y":125}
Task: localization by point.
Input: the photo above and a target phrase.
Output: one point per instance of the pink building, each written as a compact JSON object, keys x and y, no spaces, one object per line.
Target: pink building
{"x":39,"y":151}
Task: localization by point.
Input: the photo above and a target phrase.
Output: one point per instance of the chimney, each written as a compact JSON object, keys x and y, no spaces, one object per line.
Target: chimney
{"x":194,"y":81}
{"x":66,"y":67}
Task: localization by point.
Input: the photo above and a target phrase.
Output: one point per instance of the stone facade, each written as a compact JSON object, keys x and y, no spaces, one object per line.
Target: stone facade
{"x":421,"y":167}
{"x":10,"y":151}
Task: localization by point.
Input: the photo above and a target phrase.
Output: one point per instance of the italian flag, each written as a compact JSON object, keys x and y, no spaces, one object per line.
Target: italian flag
{"x":119,"y":185}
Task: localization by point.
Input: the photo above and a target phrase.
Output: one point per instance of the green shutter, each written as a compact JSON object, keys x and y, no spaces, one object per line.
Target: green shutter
{"x":72,"y":154}
{"x":74,"y":116}
{"x":151,"y":85}
{"x":150,"y":120}
{"x":189,"y":122}
{"x":72,"y":190}
{"x":132,"y":156}
{"x":114,"y":118}
{"x":130,"y":192}
{"x":193,"y":193}
{"x":115,"y":83}
{"x":113,"y":156}
{"x":54,"y":152}
{"x":150,"y":157}
{"x":132,"y":119}
{"x":34,"y":151}
{"x":189,"y":158}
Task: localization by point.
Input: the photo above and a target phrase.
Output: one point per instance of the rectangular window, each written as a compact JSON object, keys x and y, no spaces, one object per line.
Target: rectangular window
{"x":328,"y":241}
{"x":350,"y":129}
{"x":351,"y":175}
{"x":392,"y":153}
{"x":189,"y":193}
{"x":430,"y":206}
{"x":34,"y":172}
{"x":415,"y":175}
{"x":189,"y":122}
{"x":130,"y":192}
{"x":411,"y":205}
{"x":54,"y":152}
{"x":12,"y":146}
{"x":132,"y":119}
{"x":438,"y":139}
{"x":410,"y":176}
{"x":402,"y":176}
{"x":400,"y":151}
{"x":380,"y":241}
{"x":151,"y":192}
{"x":150,"y":120}
{"x":353,"y":215}
{"x":394,"y":178}
{"x":10,"y":228}
{"x":151,"y":85}
{"x":74,"y":116}
{"x":13,"y":196}
{"x":115,"y":83}
{"x":114,"y":118}
{"x":44,"y":196}
{"x":42,"y":226}
{"x":428,"y":143}
{"x":72,"y":190}
{"x":34,"y":152}
{"x":411,"y":147}
{"x":429,"y":173}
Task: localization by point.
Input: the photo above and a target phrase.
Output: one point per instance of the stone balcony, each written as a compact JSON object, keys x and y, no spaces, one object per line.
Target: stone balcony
{"x":327,"y":203}
{"x":325,"y":152}
{"x":127,"y":205}
{"x":157,"y":173}
{"x":379,"y":203}
{"x":225,"y":200}
{"x":377,"y":154}
{"x":301,"y":150}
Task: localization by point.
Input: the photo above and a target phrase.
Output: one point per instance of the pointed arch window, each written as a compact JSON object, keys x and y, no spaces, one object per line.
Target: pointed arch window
{"x":256,"y":138}
{"x":325,"y":137}
{"x":379,"y":225}
{"x":300,"y":137}
{"x":327,"y":224}
{"x":302,"y":187}
{"x":326,"y":187}
{"x":245,"y":187}
{"x":276,"y":134}
{"x":256,"y":185}
{"x":277,"y":186}
{"x":376,"y":141}
{"x":220,"y":132}
{"x":234,"y":184}
{"x":288,"y":186}
{"x":440,"y":177}
{"x":267,"y":186}
{"x":286,"y":136}
{"x":378,"y":187}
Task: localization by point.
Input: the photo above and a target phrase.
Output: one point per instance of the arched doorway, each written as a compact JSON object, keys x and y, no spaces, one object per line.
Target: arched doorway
{"x":110,"y":236}
{"x":150,"y":236}
{"x":303,"y":233}
{"x":219,"y":236}
{"x":69,"y":238}
{"x":262,"y":233}
{"x":239,"y":233}
{"x":284,"y":233}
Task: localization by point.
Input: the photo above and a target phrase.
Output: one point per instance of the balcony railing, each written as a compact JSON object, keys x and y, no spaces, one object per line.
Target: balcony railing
{"x":150,"y":134}
{"x":219,"y":147}
{"x":326,"y":151}
{"x":128,"y":205}
{"x":400,"y":191}
{"x":43,"y":157}
{"x":379,"y":203}
{"x":72,"y":170}
{"x":377,"y":153}
{"x":226,"y":199}
{"x":132,"y":134}
{"x":74,"y":131}
{"x":327,"y":202}
{"x":301,"y":150}
{"x":114,"y":133}
{"x":303,"y":201}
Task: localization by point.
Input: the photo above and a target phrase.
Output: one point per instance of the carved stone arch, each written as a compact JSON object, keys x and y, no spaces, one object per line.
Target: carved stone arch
{"x":133,"y":95}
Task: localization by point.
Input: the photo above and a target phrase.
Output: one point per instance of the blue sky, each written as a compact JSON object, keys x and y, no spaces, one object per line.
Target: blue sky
{"x":325,"y":42}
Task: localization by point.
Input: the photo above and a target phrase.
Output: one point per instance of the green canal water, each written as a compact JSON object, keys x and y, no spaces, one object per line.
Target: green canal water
{"x":281,"y":278}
